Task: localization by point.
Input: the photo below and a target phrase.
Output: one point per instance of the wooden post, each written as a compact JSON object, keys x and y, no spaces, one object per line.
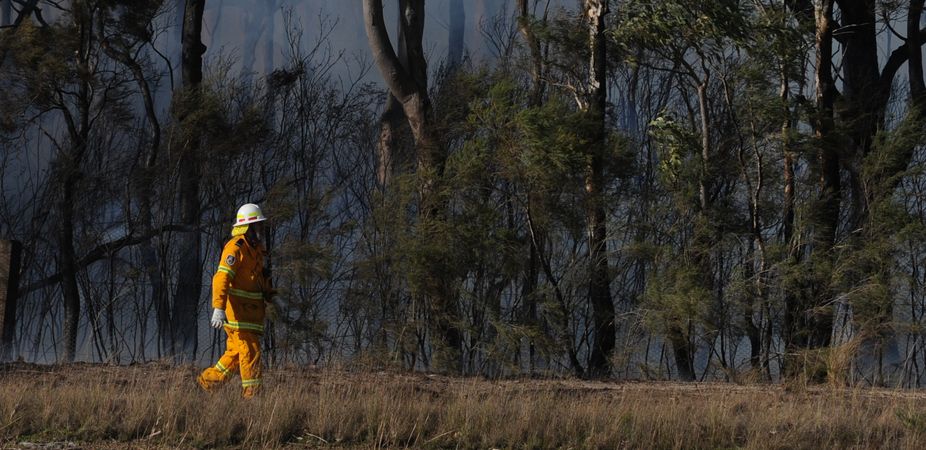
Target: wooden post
{"x":10,"y":259}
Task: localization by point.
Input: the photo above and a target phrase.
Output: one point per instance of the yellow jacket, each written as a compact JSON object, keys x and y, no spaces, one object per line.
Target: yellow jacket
{"x":239,"y":284}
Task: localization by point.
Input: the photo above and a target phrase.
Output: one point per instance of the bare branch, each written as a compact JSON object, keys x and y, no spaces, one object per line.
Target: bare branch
{"x":101,"y":252}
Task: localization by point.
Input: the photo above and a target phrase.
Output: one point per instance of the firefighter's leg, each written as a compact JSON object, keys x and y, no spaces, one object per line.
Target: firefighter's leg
{"x":249,"y":360}
{"x":226,"y":366}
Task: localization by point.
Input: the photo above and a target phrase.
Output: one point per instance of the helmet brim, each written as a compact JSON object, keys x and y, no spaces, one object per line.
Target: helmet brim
{"x":249,"y":222}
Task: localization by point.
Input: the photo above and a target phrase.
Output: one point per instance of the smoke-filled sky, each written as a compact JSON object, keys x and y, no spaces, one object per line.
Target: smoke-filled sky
{"x":241,"y":27}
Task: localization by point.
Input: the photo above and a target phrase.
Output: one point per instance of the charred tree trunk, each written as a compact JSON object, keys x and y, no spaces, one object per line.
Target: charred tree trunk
{"x":819,"y":315}
{"x":67,"y":261}
{"x":861,"y":117}
{"x":10,"y":268}
{"x":681,"y":351}
{"x":532,"y":272}
{"x":596,"y":217}
{"x":882,"y":183}
{"x":456,"y":41}
{"x":189,"y":286}
{"x":753,"y":332}
{"x":792,"y":300}
{"x":525,"y":27}
{"x":914,"y":50}
{"x":69,"y":175}
{"x":149,"y":256}
{"x":6,"y":13}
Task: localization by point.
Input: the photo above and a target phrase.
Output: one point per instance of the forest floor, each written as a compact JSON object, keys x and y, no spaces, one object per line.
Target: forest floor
{"x":156,"y":406}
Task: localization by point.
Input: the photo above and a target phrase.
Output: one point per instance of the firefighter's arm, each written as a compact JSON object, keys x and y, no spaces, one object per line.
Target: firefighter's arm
{"x":221,"y":282}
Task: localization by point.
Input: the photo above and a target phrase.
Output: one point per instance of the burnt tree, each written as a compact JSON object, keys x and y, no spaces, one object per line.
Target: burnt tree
{"x":596,"y":217}
{"x":189,"y":283}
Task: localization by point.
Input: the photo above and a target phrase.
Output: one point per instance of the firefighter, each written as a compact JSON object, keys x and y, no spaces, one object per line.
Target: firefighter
{"x":240,"y":291}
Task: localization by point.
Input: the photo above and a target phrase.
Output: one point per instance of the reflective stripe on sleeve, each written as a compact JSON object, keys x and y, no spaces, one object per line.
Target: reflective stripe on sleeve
{"x":246,"y":294}
{"x":230,"y":272}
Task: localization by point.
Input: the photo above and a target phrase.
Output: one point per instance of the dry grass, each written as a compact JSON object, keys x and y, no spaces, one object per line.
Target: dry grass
{"x":160,"y":407}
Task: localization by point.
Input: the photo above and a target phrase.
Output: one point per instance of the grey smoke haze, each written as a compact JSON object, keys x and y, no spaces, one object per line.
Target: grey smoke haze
{"x":242,"y":28}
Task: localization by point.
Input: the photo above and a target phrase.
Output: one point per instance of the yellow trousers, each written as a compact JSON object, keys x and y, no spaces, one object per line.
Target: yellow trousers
{"x":242,"y":353}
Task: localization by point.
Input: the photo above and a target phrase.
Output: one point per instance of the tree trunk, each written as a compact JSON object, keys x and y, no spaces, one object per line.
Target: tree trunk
{"x":6,"y":13}
{"x":882,"y":183}
{"x":67,"y":264}
{"x":525,"y":26}
{"x":192,"y":46}
{"x":390,"y":141}
{"x":754,"y":266}
{"x":69,"y":174}
{"x":682,"y":351}
{"x":532,"y":272}
{"x":753,"y":333}
{"x":820,"y":314}
{"x":393,"y":125}
{"x":861,"y":116}
{"x":455,"y":44}
{"x":408,"y":82}
{"x":566,"y":337}
{"x":860,"y":73}
{"x":792,"y":300}
{"x":914,"y":50}
{"x":149,"y":257}
{"x":189,"y":286}
{"x":702,"y":241}
{"x":596,"y":217}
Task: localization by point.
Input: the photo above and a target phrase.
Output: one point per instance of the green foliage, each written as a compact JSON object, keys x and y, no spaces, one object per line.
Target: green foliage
{"x":781,"y":41}
{"x":677,"y":297}
{"x":554,"y":140}
{"x":677,"y":145}
{"x":44,"y":62}
{"x":494,"y":241}
{"x":673,"y":26}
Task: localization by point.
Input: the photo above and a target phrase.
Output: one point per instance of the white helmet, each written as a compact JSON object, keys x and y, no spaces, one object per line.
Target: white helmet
{"x":248,"y":214}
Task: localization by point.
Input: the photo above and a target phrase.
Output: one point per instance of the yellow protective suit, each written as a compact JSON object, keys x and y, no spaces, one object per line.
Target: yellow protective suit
{"x":239,"y":287}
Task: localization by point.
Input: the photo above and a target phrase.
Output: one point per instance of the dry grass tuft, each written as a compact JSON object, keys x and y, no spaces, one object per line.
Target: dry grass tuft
{"x":160,"y":407}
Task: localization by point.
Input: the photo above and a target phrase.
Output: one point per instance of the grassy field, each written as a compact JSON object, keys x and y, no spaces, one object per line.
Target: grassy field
{"x":155,"y":406}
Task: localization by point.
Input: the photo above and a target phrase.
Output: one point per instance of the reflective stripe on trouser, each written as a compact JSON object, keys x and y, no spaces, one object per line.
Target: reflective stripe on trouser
{"x":242,"y":352}
{"x":245,"y":326}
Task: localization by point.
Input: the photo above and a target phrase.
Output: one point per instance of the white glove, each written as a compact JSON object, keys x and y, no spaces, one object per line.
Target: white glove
{"x":218,"y":318}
